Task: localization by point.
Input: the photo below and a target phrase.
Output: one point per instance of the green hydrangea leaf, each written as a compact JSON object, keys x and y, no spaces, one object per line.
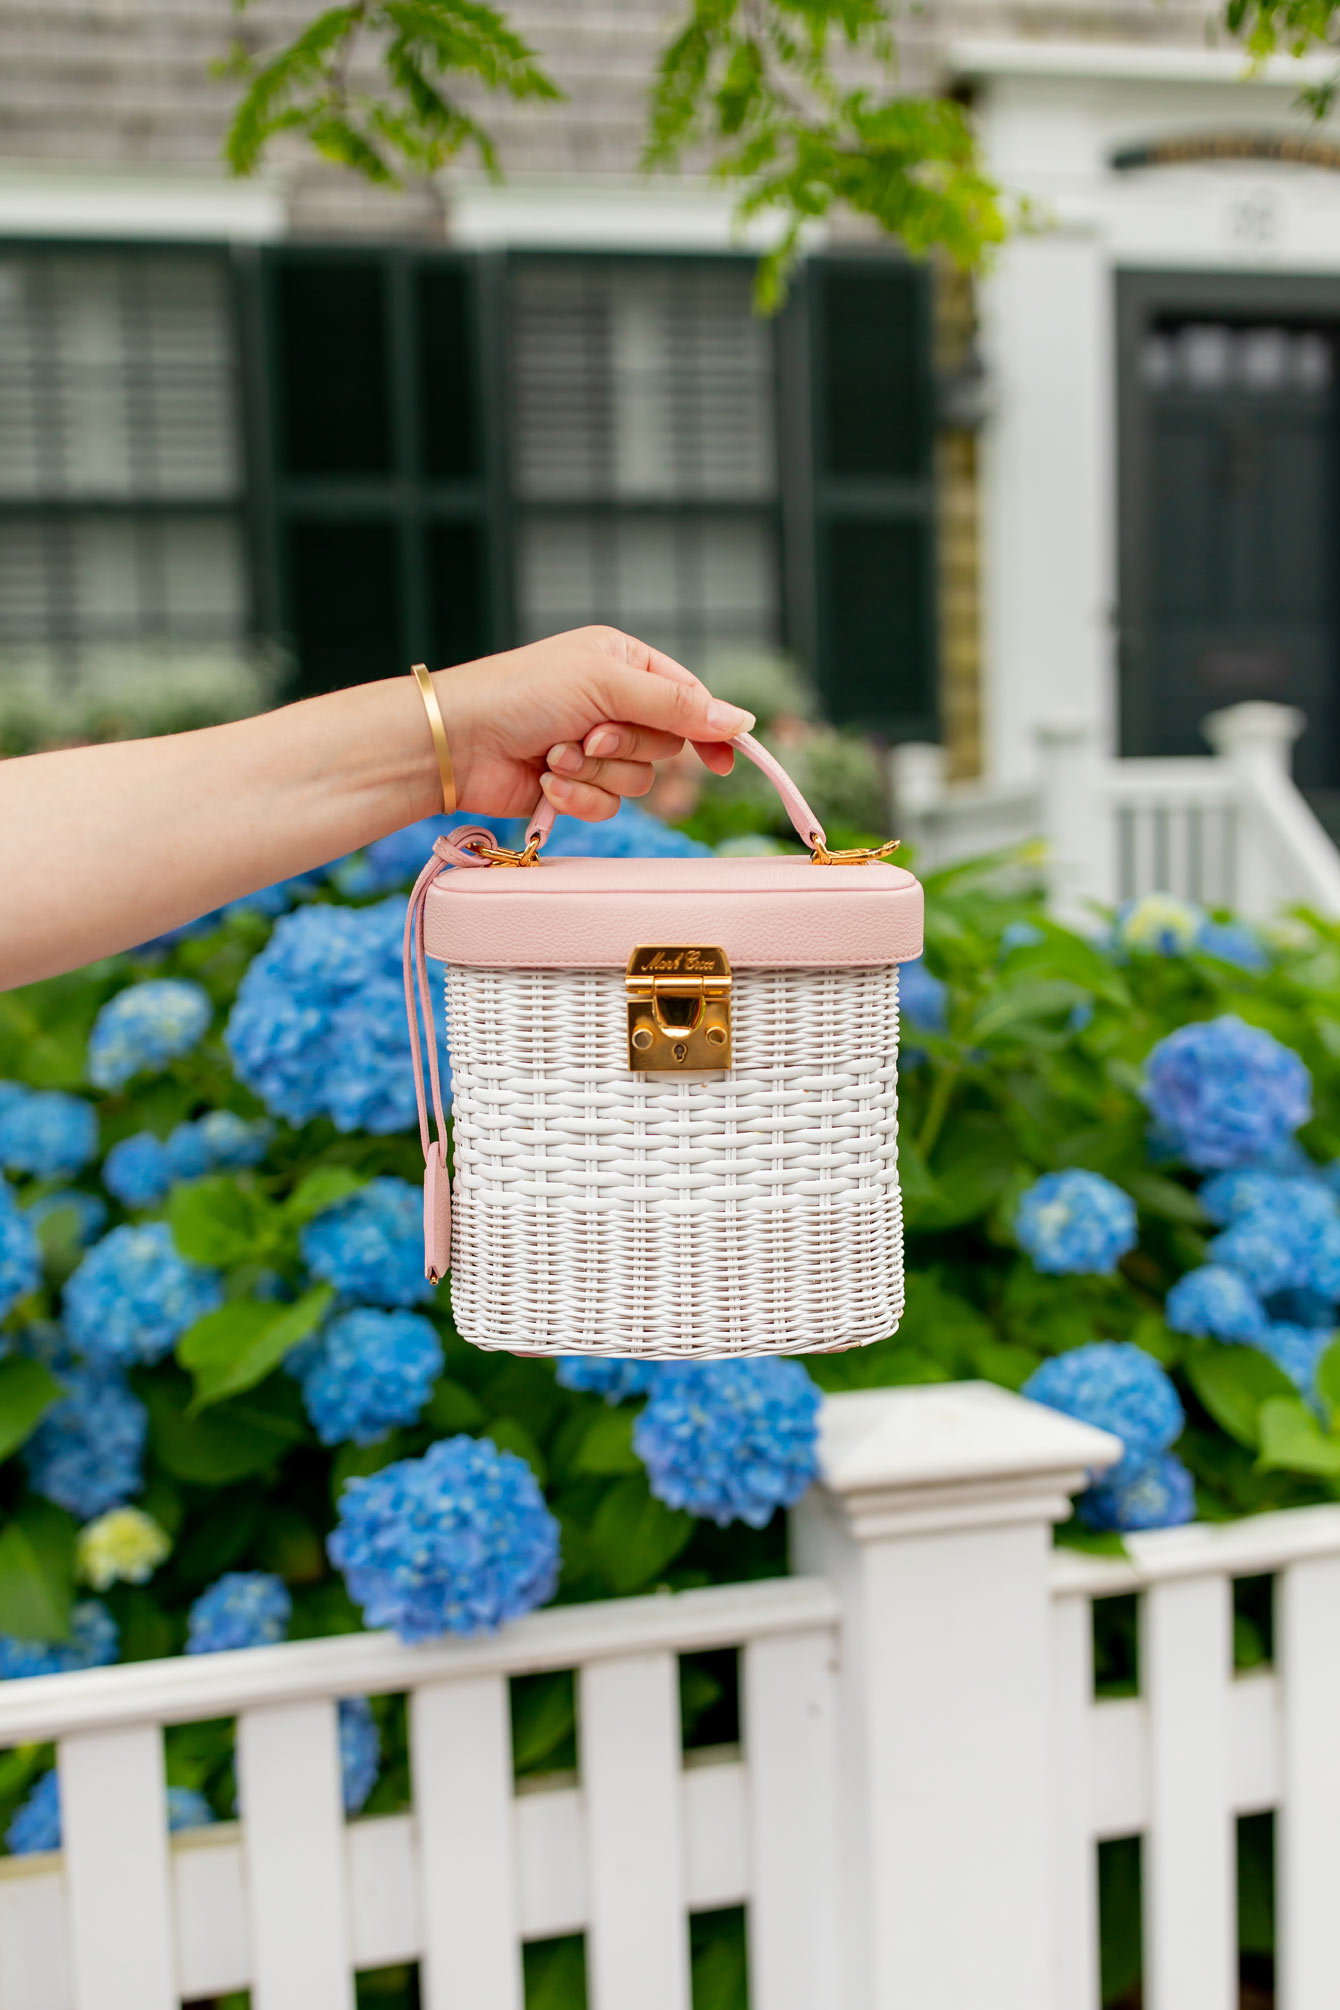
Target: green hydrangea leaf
{"x":211,"y":1450}
{"x":318,"y":1190}
{"x":1233,"y":1383}
{"x":1293,"y":1441}
{"x":634,"y":1536}
{"x":27,"y":1391}
{"x":239,"y":1345}
{"x":218,"y":1222}
{"x":607,"y":1444}
{"x":37,"y":1549}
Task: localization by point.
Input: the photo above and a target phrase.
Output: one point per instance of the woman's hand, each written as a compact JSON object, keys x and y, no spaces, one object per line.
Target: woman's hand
{"x":584,"y":715}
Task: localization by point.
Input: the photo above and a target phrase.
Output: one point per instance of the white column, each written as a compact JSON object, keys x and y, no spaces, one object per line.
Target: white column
{"x":1048,"y":506}
{"x":1078,"y":823}
{"x":934,"y":1523}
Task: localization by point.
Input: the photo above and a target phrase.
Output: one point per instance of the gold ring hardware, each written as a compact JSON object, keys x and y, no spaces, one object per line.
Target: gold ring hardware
{"x":859,"y":855}
{"x":678,"y":1007}
{"x":495,"y":854}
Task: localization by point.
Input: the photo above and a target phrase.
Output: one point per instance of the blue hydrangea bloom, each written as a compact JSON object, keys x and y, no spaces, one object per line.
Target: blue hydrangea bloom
{"x":319,"y":1029}
{"x":397,"y":860}
{"x":1233,"y":942}
{"x":1138,"y":1493}
{"x":1297,"y":1350}
{"x":186,"y":1152}
{"x":1217,"y":1303}
{"x":87,"y":1453}
{"x":20,"y":1257}
{"x":1115,"y":1386}
{"x":144,"y":1027}
{"x":1223,"y":1093}
{"x":1075,"y":1223}
{"x":454,"y":1542}
{"x":1249,"y":1190}
{"x":922,"y":999}
{"x":89,"y":1212}
{"x":360,"y":1751}
{"x":1158,"y":924}
{"x":630,"y":833}
{"x":36,"y":1822}
{"x":94,"y":1643}
{"x":243,"y":1608}
{"x":133,"y":1296}
{"x":1281,"y":1249}
{"x":370,"y":1371}
{"x":187,"y":1809}
{"x":598,"y":1375}
{"x":48,"y":1134}
{"x":136,"y":1171}
{"x":731,"y":1440}
{"x":1300,"y":1307}
{"x":231,"y":1142}
{"x":370,"y":1246}
{"x":11,"y":1094}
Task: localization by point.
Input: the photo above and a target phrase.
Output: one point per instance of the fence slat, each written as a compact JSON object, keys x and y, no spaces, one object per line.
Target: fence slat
{"x":114,"y":1829}
{"x":34,"y":1936}
{"x":209,"y":1889}
{"x":1074,"y":1853}
{"x":637,"y":1944}
{"x":461,"y":1754}
{"x":1186,"y":1660}
{"x":790,"y":1761}
{"x":288,"y":1764}
{"x":1307,"y":1632}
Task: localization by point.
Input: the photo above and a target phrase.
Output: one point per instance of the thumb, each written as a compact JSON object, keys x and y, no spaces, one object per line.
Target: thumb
{"x":641,"y":698}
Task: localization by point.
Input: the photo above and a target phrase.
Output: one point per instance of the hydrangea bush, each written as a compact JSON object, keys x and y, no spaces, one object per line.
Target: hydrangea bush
{"x":233,"y":1411}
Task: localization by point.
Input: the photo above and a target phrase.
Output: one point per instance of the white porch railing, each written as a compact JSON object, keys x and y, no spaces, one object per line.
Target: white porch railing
{"x":911,"y":1819}
{"x":1228,"y":829}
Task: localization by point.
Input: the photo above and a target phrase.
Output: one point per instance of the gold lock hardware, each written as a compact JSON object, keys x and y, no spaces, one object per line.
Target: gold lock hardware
{"x":678,"y":1008}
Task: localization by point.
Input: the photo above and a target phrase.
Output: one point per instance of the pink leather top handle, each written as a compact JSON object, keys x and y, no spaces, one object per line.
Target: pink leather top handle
{"x":807,"y":826}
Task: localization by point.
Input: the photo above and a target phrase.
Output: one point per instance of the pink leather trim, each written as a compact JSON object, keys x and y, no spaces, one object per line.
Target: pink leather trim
{"x":806,"y":824}
{"x":436,"y":1217}
{"x":589,"y":913}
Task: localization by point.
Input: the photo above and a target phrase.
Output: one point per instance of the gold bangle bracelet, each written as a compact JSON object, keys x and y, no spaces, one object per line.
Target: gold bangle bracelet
{"x":439,"y":733}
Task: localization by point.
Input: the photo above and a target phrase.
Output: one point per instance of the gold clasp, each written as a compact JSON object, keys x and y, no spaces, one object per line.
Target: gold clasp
{"x":678,"y":1008}
{"x":495,"y":854}
{"x":859,"y":855}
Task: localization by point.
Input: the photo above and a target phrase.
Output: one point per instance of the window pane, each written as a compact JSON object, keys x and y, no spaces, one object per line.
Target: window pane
{"x":456,"y":592}
{"x":345,"y":601}
{"x":641,"y":380}
{"x":688,"y":584}
{"x":116,"y":376}
{"x":82,"y":594}
{"x":875,"y":393}
{"x":450,"y":437}
{"x":334,"y":394}
{"x":878,"y":661}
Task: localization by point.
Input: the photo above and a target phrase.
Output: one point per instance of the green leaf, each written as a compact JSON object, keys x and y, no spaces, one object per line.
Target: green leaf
{"x":37,"y":1572}
{"x":27,"y":1391}
{"x":1293,"y":1441}
{"x":1328,"y":1376}
{"x":320,"y":1189}
{"x":1233,"y":1383}
{"x":216,"y":1221}
{"x":634,"y":1536}
{"x":452,"y":1408}
{"x":239,"y":1345}
{"x":210,"y":1450}
{"x":544,"y":1717}
{"x":1011,"y":1004}
{"x":607,"y":1446}
{"x":509,"y":1434}
{"x":358,"y":1462}
{"x":1093,"y":1542}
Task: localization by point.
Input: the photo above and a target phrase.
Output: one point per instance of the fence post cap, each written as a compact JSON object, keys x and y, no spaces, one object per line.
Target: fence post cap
{"x":953,"y":1454}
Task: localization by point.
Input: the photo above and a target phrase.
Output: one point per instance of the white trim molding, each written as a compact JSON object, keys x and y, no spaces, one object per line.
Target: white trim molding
{"x":59,"y":200}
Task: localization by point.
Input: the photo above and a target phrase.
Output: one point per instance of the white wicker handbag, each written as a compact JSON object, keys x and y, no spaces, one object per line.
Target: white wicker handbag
{"x":675,"y":1094}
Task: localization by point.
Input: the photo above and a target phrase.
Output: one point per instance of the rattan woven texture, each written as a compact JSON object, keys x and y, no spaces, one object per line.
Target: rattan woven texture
{"x":596,"y":1210}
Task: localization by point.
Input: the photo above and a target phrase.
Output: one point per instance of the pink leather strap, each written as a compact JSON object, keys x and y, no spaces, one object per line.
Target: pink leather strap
{"x":447,"y":851}
{"x":807,"y":825}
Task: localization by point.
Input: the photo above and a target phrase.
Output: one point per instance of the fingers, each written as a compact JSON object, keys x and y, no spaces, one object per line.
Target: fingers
{"x":620,"y":778}
{"x":668,"y":705}
{"x":611,"y":741}
{"x":579,"y":799}
{"x":718,"y":755}
{"x":641,"y":656}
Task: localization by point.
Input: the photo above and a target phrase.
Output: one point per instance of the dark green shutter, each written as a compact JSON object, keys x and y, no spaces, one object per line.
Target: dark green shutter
{"x":873,"y":514}
{"x":379,"y":513}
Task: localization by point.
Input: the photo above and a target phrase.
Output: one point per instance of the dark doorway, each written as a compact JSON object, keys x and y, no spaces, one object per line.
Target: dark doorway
{"x":1229,"y":496}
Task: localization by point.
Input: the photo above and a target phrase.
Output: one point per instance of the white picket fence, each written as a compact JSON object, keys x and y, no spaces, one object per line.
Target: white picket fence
{"x":1227,"y":829}
{"x":910,"y":1820}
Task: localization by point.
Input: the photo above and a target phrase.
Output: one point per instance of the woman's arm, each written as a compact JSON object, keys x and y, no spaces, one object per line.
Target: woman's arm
{"x":103,"y":847}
